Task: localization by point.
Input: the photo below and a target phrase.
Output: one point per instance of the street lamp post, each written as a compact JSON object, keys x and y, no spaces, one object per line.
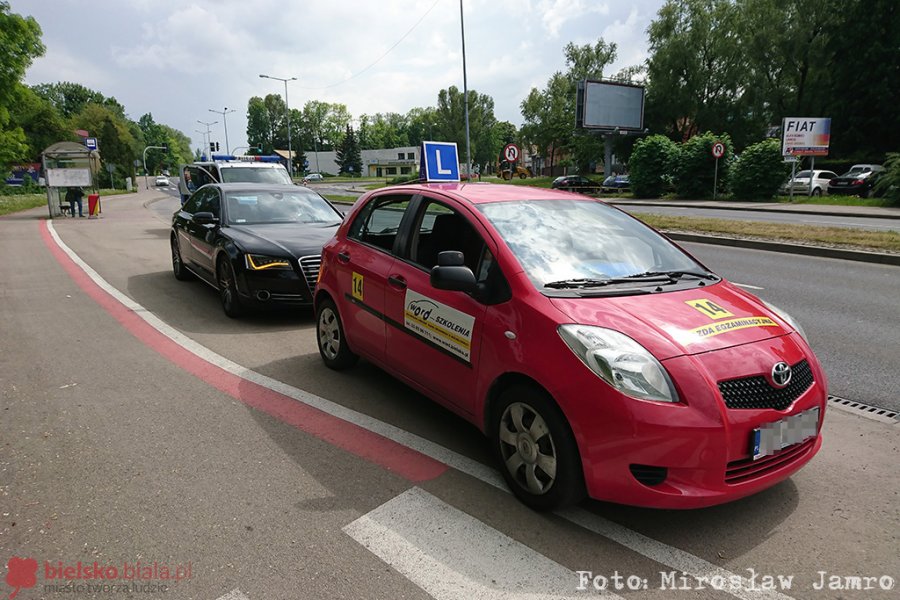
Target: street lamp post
{"x":225,"y":124}
{"x":287,"y":112}
{"x":208,"y":137}
{"x":205,"y":144}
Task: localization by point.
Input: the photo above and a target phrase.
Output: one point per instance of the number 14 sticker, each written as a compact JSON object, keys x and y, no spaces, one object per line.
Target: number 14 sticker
{"x":357,"y":291}
{"x":709,"y":308}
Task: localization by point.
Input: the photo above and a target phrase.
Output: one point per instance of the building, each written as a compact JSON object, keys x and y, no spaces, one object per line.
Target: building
{"x":385,"y":162}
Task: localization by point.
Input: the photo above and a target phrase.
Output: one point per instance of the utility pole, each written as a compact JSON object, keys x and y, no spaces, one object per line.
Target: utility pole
{"x":225,"y":124}
{"x":287,"y":111}
{"x":208,"y":137}
{"x":462,"y":29}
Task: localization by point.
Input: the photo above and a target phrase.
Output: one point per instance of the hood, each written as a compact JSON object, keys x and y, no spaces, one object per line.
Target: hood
{"x":680,"y":323}
{"x":279,"y":238}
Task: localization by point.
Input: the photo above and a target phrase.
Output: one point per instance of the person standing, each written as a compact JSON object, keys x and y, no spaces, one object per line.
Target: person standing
{"x":74,"y":196}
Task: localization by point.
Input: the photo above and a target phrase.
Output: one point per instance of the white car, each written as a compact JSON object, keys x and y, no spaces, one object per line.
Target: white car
{"x":801,"y":183}
{"x":314,"y":177}
{"x":162,"y":180}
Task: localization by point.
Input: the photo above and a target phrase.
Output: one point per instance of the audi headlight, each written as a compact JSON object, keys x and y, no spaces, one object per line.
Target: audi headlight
{"x":620,"y":361}
{"x":786,"y":317}
{"x":259,"y":262}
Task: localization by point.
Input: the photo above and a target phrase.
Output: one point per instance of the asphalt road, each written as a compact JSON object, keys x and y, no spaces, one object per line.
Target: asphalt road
{"x":869,"y":224}
{"x":198,"y":446}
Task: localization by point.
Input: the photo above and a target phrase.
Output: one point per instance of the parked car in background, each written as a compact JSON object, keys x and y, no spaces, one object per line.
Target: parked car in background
{"x":616,"y":183}
{"x":800,"y":183}
{"x":858,"y":181}
{"x":259,"y":245}
{"x":576,"y":183}
{"x":313,"y":177}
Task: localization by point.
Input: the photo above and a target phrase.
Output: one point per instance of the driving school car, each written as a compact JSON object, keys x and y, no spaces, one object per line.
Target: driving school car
{"x":596,"y":355}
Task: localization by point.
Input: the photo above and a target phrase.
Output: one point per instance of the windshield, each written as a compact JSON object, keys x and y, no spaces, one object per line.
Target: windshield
{"x":562,"y":240}
{"x":803,"y":175}
{"x":255,"y":207}
{"x":254,"y":175}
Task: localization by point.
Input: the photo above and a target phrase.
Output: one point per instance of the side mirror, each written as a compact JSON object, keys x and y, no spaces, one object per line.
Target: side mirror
{"x":451,"y":274}
{"x":205,"y":218}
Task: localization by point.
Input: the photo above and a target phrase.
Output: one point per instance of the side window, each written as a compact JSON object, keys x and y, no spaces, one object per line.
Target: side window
{"x":191,"y":205}
{"x":209,"y":201}
{"x":378,"y":222}
{"x":441,"y":228}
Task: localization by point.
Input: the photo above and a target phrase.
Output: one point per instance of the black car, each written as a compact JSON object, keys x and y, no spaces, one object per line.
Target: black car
{"x":259,"y":245}
{"x":616,"y":183}
{"x":576,"y":183}
{"x":859,"y":181}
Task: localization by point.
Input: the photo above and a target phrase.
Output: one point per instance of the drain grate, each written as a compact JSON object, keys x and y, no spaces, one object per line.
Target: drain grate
{"x":865,"y":410}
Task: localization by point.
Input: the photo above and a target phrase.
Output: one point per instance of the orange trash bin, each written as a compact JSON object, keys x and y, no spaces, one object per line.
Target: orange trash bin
{"x":93,"y":205}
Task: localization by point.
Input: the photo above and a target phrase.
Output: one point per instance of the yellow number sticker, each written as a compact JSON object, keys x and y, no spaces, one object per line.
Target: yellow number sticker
{"x":709,"y":308}
{"x":357,"y":286}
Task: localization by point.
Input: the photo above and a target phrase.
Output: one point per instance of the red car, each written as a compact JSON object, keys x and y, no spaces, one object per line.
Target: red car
{"x":599,"y":357}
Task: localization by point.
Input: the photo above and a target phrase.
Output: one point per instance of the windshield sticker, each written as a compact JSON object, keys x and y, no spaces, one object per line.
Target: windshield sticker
{"x":733,"y":325}
{"x":440,"y":324}
{"x":709,"y":308}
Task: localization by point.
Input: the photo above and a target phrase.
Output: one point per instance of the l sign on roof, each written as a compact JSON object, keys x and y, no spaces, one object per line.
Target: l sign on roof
{"x":439,"y":161}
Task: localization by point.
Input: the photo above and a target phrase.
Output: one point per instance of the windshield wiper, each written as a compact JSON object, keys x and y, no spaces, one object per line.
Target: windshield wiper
{"x":673,"y":274}
{"x":577,"y":283}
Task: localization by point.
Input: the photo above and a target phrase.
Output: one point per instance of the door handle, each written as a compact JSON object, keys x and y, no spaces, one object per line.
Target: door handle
{"x":397,"y":282}
{"x":343,"y":257}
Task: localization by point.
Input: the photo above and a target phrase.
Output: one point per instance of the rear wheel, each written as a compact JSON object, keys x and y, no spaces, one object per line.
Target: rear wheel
{"x":333,"y":347}
{"x":817,"y":192}
{"x":178,"y":269}
{"x":231,"y":302}
{"x":537,"y":452}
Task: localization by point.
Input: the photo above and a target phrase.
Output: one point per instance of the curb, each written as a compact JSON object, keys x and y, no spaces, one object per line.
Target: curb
{"x":796,"y":211}
{"x":820,"y":251}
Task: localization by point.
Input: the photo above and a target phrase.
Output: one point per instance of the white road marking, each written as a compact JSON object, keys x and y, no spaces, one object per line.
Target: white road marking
{"x":748,"y":286}
{"x":234,"y":594}
{"x":454,"y":556}
{"x":653,"y":549}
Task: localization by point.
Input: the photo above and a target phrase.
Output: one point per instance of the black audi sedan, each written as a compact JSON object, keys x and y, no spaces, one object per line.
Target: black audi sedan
{"x":259,"y":245}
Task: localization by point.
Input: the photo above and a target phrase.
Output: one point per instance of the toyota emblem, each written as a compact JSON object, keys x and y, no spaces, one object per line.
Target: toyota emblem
{"x":781,"y":374}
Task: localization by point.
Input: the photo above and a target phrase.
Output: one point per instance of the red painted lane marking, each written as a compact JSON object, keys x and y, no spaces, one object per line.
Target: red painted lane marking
{"x":397,"y":458}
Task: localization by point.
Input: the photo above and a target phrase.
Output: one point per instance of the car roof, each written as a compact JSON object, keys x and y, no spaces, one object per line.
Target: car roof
{"x":237,"y":163}
{"x":257,"y":187}
{"x":482,"y":193}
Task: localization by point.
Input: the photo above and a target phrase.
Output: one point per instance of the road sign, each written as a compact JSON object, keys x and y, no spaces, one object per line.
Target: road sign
{"x":511,"y":152}
{"x":91,"y":143}
{"x":718,"y":149}
{"x":439,"y":161}
{"x":805,"y":136}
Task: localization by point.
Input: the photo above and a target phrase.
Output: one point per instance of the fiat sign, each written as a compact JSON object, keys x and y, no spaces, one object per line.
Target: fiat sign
{"x":805,"y":136}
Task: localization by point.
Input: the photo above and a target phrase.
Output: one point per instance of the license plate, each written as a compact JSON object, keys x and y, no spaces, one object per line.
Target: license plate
{"x":773,"y":437}
{"x":840,"y":183}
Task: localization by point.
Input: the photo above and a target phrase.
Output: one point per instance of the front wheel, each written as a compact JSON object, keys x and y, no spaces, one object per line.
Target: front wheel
{"x":537,"y":452}
{"x":333,"y":348}
{"x":228,"y":294}
{"x":817,"y":192}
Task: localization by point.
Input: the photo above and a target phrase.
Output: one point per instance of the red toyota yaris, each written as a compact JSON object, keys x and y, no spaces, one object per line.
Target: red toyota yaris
{"x":598,"y":356}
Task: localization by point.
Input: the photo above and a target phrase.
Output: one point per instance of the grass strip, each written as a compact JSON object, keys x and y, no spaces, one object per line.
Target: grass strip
{"x":11,"y":204}
{"x":877,"y":241}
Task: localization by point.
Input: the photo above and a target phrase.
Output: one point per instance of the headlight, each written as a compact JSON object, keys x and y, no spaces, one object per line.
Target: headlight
{"x":258,"y":262}
{"x":620,"y":361}
{"x":786,"y":317}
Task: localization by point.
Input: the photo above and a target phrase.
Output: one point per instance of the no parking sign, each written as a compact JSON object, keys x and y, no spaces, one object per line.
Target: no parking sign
{"x":511,"y":152}
{"x":718,"y":149}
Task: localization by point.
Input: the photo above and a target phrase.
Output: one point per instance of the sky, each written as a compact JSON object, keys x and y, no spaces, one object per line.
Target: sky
{"x":178,"y":59}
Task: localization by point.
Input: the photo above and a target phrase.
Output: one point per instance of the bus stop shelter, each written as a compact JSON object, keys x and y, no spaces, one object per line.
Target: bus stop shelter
{"x":67,"y":164}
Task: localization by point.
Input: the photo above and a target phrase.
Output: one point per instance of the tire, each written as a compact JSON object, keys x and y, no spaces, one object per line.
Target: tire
{"x":178,"y":269}
{"x":536,"y":450}
{"x":817,"y":192}
{"x":228,"y":294}
{"x":330,"y":338}
{"x":522,"y":175}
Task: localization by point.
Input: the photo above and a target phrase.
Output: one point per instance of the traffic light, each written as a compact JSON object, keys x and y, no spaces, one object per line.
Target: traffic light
{"x":165,"y":146}
{"x":212,"y":146}
{"x":217,"y":146}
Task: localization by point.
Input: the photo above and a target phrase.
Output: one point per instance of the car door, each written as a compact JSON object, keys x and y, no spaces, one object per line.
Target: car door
{"x":433,"y":335}
{"x":362,"y":262}
{"x":203,"y":235}
{"x":181,"y":223}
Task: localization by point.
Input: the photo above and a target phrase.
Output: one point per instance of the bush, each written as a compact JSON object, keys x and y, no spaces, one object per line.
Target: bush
{"x":759,"y":171}
{"x":649,"y":166}
{"x":888,"y":184}
{"x":401,"y":179}
{"x":695,"y":166}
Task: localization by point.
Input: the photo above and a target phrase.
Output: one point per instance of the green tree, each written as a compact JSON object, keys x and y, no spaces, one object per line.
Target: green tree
{"x":421,"y":125}
{"x":39,"y":120}
{"x":115,"y":137}
{"x":450,"y":123}
{"x":348,"y":156}
{"x":695,"y":167}
{"x":20,"y":43}
{"x":71,"y":98}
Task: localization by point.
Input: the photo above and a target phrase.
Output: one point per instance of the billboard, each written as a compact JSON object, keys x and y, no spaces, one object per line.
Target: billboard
{"x":805,"y":136}
{"x":609,"y":105}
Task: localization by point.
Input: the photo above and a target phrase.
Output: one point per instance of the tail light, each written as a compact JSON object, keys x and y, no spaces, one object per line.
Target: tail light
{"x":859,"y":182}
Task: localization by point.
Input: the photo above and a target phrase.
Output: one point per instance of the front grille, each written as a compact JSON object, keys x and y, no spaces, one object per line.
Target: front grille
{"x":747,"y":469}
{"x":756,"y":392}
{"x":310,"y":267}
